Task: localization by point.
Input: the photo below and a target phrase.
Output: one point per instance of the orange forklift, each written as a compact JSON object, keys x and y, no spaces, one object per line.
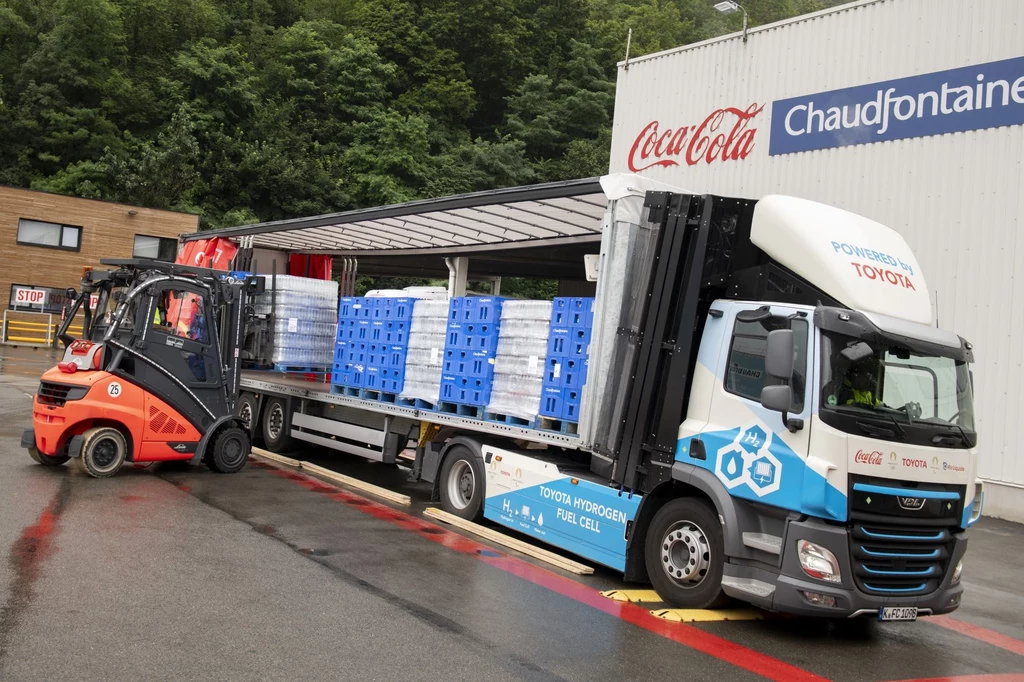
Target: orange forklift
{"x":155,"y":376}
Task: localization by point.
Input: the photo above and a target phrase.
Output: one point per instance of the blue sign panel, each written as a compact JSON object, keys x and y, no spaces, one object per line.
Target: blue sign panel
{"x":970,"y":98}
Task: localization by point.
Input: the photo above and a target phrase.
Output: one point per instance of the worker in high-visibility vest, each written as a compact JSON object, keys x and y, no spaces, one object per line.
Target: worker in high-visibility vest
{"x":861,"y":383}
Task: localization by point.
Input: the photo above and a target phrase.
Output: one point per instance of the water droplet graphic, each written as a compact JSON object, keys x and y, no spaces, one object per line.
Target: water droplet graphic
{"x":540,"y":520}
{"x":731,"y":468}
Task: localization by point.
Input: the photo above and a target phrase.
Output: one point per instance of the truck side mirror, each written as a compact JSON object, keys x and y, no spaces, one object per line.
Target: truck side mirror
{"x":778,"y":356}
{"x":778,"y":398}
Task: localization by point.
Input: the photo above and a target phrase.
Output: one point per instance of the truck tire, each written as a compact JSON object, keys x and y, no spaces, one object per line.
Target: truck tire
{"x":462,"y":483}
{"x":229,"y":450}
{"x":277,"y":425}
{"x":247,"y":411}
{"x":47,"y":460}
{"x":685,"y":554}
{"x":104,"y":450}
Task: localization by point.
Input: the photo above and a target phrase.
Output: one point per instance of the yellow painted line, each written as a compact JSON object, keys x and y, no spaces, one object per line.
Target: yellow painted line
{"x":362,"y":486}
{"x":635,"y":596}
{"x":706,"y":615}
{"x":510,"y":542}
{"x":273,"y":457}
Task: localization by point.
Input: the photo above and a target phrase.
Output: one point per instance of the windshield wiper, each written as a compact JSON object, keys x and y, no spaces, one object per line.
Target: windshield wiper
{"x":875,"y":410}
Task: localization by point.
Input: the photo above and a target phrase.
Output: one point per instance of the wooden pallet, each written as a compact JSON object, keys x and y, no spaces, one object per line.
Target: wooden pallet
{"x":558,"y":426}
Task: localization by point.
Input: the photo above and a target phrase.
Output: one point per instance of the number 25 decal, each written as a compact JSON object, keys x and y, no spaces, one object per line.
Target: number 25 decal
{"x":114,"y":389}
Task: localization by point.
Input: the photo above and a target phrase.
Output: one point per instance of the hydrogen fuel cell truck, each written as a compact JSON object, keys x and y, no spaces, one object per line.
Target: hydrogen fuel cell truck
{"x":771,"y":415}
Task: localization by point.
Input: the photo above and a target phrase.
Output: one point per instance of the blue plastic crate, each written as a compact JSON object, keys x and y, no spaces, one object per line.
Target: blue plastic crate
{"x":392,"y":379}
{"x":571,"y":404}
{"x":483,"y":309}
{"x":473,"y":336}
{"x":559,"y":340}
{"x":551,"y":402}
{"x":581,"y":334}
{"x":455,"y":309}
{"x":394,"y":355}
{"x":396,"y":332}
{"x":573,"y":373}
{"x":345,"y":310}
{"x":362,"y":330}
{"x":371,"y":378}
{"x":376,"y":354}
{"x":357,"y":352}
{"x":376,"y":331}
{"x":398,"y":308}
{"x":347,"y":374}
{"x":465,"y":390}
{"x":463,"y":362}
{"x":553,"y":371}
{"x":340,"y":351}
{"x":572,"y":312}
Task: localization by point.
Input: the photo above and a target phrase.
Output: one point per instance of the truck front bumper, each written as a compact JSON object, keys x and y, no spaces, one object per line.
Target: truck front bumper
{"x":790,"y":590}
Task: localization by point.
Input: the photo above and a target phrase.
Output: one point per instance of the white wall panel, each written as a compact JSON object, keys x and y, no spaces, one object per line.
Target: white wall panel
{"x":958,"y":198}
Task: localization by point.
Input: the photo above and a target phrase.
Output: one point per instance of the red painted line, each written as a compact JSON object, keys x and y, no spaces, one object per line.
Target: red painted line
{"x":979,"y":633}
{"x":998,"y":677}
{"x":687,"y":635}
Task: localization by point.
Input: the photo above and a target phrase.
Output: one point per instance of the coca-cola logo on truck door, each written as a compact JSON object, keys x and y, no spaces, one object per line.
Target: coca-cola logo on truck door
{"x":726,"y":134}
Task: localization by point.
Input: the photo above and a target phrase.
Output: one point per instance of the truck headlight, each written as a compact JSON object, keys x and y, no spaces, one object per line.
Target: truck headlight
{"x":956,"y":572}
{"x":818,"y":562}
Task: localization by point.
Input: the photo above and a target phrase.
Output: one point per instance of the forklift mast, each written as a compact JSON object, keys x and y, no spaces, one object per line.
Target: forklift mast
{"x":127,"y":298}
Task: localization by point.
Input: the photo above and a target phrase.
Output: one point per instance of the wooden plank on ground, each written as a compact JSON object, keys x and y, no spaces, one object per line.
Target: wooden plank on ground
{"x":274,"y":457}
{"x":510,"y":542}
{"x":362,"y":486}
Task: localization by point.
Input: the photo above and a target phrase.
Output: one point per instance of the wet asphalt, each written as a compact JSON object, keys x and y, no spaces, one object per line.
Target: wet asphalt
{"x":177,"y":573}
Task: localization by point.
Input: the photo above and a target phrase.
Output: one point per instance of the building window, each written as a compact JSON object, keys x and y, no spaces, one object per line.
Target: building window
{"x":745,"y":376}
{"x":158,"y":248}
{"x":49,"y":235}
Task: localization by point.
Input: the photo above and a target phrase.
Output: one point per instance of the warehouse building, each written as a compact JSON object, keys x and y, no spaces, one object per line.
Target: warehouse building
{"x":47,"y":239}
{"x":910,"y":112}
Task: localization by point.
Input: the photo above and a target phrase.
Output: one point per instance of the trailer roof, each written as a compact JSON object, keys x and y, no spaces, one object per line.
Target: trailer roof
{"x":552,"y":214}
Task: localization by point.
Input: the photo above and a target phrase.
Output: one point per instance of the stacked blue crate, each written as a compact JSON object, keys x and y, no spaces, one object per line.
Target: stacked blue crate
{"x":572,"y":323}
{"x":467,"y":368}
{"x":373,"y":338}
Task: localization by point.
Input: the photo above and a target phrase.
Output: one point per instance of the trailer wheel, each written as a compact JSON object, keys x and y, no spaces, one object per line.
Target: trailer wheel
{"x":47,"y":460}
{"x":685,"y":553}
{"x":104,"y":450}
{"x":229,"y":450}
{"x":462,"y":483}
{"x":277,"y":425}
{"x":247,"y":411}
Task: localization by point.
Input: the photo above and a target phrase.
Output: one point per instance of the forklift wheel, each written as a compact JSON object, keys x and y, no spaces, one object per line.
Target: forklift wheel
{"x":228,"y":451}
{"x":104,"y":450}
{"x":47,"y":460}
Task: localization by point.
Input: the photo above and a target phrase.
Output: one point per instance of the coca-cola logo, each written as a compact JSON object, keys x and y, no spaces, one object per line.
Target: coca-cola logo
{"x":862,"y":457}
{"x":725,"y":135}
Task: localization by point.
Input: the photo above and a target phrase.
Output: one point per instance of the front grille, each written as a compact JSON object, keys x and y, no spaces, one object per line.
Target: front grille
{"x":899,"y":560}
{"x":53,"y":394}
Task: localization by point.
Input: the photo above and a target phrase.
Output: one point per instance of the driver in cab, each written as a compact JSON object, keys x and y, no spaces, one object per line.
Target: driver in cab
{"x":860,"y":386}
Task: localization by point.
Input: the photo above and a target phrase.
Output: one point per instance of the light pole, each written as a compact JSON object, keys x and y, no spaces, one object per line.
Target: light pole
{"x":731,"y":7}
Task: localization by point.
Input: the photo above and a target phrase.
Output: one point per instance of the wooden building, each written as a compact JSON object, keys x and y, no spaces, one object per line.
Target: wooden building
{"x":46,"y":239}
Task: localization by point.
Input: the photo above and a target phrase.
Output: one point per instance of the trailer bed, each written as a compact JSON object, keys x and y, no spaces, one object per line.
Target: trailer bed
{"x":278,"y":383}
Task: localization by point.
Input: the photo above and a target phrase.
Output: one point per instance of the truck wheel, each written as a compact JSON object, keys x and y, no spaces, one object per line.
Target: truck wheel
{"x":228,"y":451}
{"x":47,"y":460}
{"x":462,"y":483}
{"x":104,"y":450}
{"x":247,"y":406}
{"x":277,"y":425}
{"x":685,"y":554}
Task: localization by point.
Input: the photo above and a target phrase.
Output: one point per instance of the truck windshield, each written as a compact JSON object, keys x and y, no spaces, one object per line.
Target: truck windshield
{"x":896,"y":385}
